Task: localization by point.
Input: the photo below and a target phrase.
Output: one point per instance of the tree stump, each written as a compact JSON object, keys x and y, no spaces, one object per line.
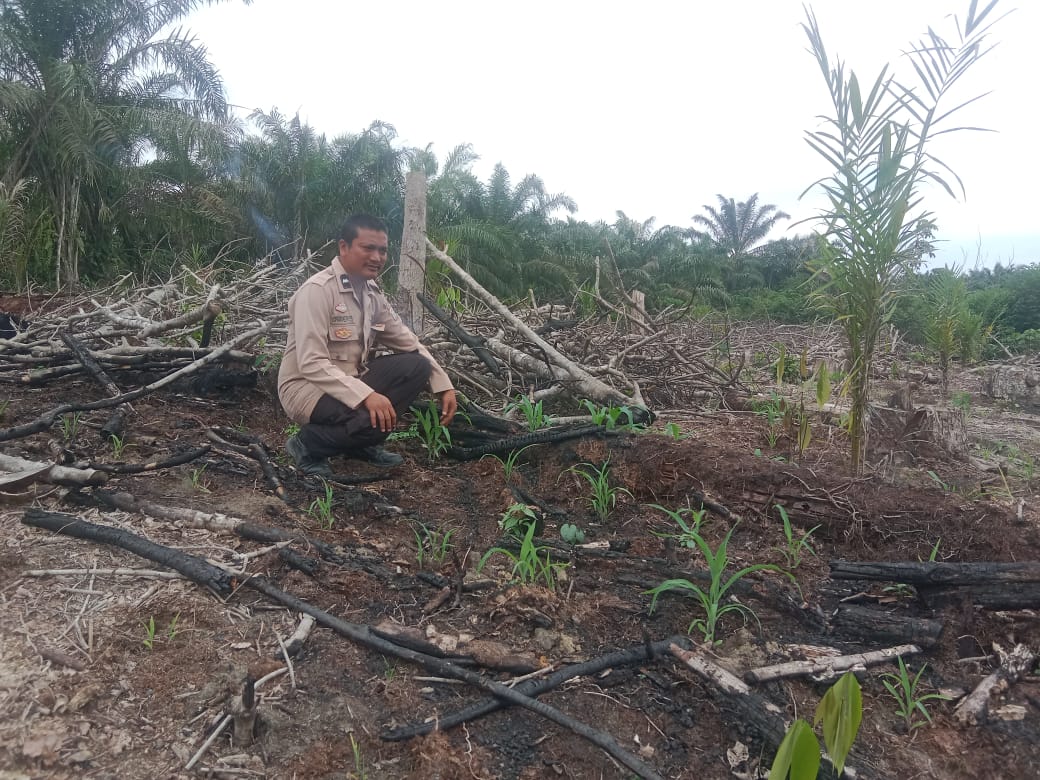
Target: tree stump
{"x":1020,"y":384}
{"x":923,"y":431}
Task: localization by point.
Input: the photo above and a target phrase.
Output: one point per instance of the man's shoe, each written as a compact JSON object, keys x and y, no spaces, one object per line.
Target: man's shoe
{"x":377,"y":456}
{"x":305,"y":462}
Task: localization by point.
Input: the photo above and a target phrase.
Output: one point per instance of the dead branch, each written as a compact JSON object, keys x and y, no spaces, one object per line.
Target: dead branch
{"x":139,"y":468}
{"x":195,"y":569}
{"x":536,"y":687}
{"x":828,"y":668}
{"x":24,"y":472}
{"x":471,"y":341}
{"x":582,"y":381}
{"x":205,"y":573}
{"x":48,"y":418}
{"x":974,"y":708}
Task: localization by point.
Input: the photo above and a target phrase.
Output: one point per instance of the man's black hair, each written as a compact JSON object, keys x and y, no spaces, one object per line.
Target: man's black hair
{"x":358,"y":222}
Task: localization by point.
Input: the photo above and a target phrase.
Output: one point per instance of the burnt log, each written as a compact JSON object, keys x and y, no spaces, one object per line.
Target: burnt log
{"x":192,"y":567}
{"x":930,"y":574}
{"x":1005,"y":595}
{"x":874,"y":625}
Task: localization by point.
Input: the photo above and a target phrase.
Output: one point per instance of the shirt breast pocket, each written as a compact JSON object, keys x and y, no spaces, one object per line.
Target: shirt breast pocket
{"x":343,"y":342}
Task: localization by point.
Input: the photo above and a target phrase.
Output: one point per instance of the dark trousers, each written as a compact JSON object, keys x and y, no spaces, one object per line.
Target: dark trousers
{"x":336,"y":429}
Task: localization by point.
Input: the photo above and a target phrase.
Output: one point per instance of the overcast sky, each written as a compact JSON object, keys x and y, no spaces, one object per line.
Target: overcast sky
{"x":651,"y":108}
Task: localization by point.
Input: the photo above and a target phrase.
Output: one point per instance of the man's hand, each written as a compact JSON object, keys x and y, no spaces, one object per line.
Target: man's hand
{"x":448,"y":406}
{"x":380,"y":411}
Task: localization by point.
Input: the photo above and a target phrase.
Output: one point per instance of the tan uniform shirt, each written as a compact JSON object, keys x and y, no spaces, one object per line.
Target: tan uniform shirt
{"x":331,"y":338}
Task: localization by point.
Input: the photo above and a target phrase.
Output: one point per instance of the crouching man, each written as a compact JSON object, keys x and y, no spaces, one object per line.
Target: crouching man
{"x":345,"y":401}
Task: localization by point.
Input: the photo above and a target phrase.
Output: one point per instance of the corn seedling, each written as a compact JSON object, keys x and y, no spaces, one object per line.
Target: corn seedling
{"x":118,"y":445}
{"x":604,"y":497}
{"x":321,"y":508}
{"x":149,"y":633}
{"x":946,"y":487}
{"x":840,"y":711}
{"x":430,"y":540}
{"x":909,"y":703}
{"x":711,"y":600}
{"x":516,"y":520}
{"x":795,"y":545}
{"x":532,"y":412}
{"x":70,"y":426}
{"x":609,"y":416}
{"x":773,"y":411}
{"x":531,"y":563}
{"x":435,"y":438}
{"x":360,"y":772}
{"x":196,"y":478}
{"x":935,"y":551}
{"x":292,"y":429}
{"x":510,"y":461}
{"x":823,"y":383}
{"x":171,"y":628}
{"x":687,"y":534}
{"x":4,"y":405}
{"x":673,"y":430}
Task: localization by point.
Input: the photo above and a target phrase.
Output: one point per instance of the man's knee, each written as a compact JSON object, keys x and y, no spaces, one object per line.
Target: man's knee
{"x":414,"y":364}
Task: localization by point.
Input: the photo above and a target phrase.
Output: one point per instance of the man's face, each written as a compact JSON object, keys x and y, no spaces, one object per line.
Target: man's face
{"x":365,"y":255}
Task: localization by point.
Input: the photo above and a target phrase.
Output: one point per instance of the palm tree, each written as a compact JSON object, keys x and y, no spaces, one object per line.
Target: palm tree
{"x":83,"y":85}
{"x":735,"y":230}
{"x":499,"y":231}
{"x":285,"y":172}
{"x":878,"y":142}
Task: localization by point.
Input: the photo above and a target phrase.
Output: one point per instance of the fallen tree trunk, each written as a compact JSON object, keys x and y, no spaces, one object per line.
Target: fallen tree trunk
{"x":1008,"y":595}
{"x":930,"y":574}
{"x":882,"y":625}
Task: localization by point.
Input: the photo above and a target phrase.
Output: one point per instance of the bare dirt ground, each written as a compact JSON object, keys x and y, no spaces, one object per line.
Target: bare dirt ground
{"x":89,"y":689}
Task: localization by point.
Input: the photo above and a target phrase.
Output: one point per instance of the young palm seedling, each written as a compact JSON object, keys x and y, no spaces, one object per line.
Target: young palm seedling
{"x":711,"y":600}
{"x":603,"y":497}
{"x":909,"y":703}
{"x":795,"y":545}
